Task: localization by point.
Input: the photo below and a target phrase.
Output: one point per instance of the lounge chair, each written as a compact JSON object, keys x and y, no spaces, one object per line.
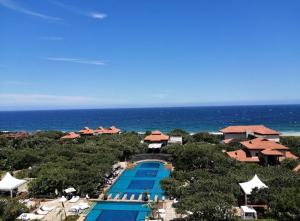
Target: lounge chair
{"x":62,"y":199}
{"x":74,"y":199}
{"x":74,"y":209}
{"x":41,"y":212}
{"x":83,"y":206}
{"x":161,"y":210}
{"x":46,"y":208}
{"x":30,"y":216}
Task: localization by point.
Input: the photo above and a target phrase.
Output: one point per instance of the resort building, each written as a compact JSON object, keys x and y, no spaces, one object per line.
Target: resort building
{"x":70,"y":135}
{"x":111,"y":130}
{"x":15,"y":135}
{"x":240,"y":133}
{"x":175,"y":140}
{"x":156,"y":139}
{"x":262,"y":150}
{"x":86,"y":131}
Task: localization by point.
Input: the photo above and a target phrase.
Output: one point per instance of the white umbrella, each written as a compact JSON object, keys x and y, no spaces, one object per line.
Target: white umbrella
{"x":70,"y":190}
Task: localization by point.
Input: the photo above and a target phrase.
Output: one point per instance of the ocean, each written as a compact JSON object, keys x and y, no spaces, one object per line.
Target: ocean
{"x":284,"y":118}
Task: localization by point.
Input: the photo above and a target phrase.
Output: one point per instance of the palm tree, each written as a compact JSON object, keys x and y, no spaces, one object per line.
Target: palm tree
{"x":62,"y":212}
{"x":153,"y":206}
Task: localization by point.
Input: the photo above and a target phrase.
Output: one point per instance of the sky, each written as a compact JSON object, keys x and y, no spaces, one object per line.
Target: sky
{"x":59,"y":54}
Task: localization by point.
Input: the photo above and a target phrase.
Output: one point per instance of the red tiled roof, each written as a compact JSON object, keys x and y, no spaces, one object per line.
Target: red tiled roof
{"x":227,"y":141}
{"x":14,"y":135}
{"x":262,"y":144}
{"x":156,"y":136}
{"x":258,"y":129}
{"x":70,"y":135}
{"x":270,"y":152}
{"x":86,"y":131}
{"x":240,"y":155}
{"x":289,"y":154}
{"x":111,"y":130}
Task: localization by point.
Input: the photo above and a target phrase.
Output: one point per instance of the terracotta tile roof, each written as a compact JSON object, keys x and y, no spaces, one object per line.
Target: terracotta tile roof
{"x":111,"y":130}
{"x":262,"y":144}
{"x":289,"y":154}
{"x":227,"y":141}
{"x":156,"y":136}
{"x":258,"y":129}
{"x":240,"y":155}
{"x":70,"y":135}
{"x":86,"y":131}
{"x":14,"y":135}
{"x":269,"y":152}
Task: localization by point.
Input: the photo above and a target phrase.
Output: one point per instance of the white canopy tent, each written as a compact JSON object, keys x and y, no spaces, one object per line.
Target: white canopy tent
{"x":248,"y":213}
{"x":69,"y":190}
{"x":9,"y":183}
{"x":247,"y":187}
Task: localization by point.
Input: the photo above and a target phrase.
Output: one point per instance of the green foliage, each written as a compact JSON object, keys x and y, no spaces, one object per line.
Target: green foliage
{"x":10,"y":209}
{"x":206,"y":180}
{"x":205,"y":137}
{"x":289,"y":163}
{"x":58,"y":164}
{"x":293,"y":143}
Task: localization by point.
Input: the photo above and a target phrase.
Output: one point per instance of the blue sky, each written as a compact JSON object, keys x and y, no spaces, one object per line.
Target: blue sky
{"x":139,"y":53}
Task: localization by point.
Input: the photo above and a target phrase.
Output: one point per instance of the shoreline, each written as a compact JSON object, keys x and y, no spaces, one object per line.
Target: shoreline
{"x":282,"y":133}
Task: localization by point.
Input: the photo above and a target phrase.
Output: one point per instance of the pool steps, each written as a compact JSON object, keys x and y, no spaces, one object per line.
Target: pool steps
{"x":124,"y":197}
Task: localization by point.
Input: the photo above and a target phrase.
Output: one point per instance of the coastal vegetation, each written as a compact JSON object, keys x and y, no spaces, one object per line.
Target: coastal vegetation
{"x":57,"y":164}
{"x":205,"y":179}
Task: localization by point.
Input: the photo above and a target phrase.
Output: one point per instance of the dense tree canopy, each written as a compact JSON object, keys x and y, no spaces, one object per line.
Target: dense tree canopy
{"x":206,"y":181}
{"x":58,"y":164}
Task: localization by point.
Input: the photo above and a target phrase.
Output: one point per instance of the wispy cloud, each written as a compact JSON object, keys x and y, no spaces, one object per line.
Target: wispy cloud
{"x":18,"y":8}
{"x":52,"y":38}
{"x":98,"y":15}
{"x":95,"y":15}
{"x":75,"y":60}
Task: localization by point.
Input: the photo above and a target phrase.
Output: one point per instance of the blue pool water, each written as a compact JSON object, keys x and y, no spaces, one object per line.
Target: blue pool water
{"x":118,"y":211}
{"x":143,"y":177}
{"x":132,"y":182}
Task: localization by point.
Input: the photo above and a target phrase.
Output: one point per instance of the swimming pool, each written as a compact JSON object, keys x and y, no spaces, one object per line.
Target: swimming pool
{"x":143,"y":177}
{"x":118,"y":211}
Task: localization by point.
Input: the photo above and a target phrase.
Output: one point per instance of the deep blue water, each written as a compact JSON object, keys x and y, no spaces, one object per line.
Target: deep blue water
{"x":285,"y":118}
{"x":112,"y":211}
{"x":144,"y":176}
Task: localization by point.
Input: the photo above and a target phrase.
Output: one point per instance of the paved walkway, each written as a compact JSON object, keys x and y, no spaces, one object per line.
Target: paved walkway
{"x":58,"y":213}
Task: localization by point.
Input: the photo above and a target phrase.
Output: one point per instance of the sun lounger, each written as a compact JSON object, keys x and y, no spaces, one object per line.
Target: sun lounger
{"x":74,"y":199}
{"x":62,"y":199}
{"x":74,"y":209}
{"x":161,"y":210}
{"x":30,"y":216}
{"x":41,"y":212}
{"x":46,"y":208}
{"x":83,"y":206}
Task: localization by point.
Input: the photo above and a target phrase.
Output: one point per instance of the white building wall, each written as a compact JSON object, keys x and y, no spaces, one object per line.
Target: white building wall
{"x":275,"y":138}
{"x":235,"y":136}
